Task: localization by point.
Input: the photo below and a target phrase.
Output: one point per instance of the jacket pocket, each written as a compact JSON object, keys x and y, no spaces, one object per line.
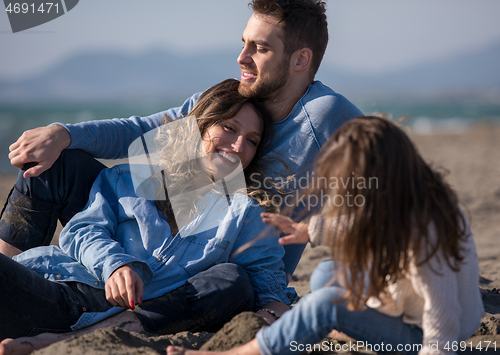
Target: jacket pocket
{"x":201,"y":254}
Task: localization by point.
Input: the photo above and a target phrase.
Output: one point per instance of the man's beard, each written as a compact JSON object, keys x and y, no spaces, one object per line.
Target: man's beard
{"x":267,"y":90}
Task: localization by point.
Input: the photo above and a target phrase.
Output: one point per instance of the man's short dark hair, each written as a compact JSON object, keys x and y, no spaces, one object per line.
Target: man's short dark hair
{"x":303,"y":22}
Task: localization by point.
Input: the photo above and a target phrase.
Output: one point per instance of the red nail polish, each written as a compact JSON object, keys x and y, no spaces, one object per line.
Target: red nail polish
{"x":132,"y":305}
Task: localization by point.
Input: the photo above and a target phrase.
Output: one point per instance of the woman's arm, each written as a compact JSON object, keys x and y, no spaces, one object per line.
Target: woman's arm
{"x":258,"y":251}
{"x":90,"y":236}
{"x":124,"y":288}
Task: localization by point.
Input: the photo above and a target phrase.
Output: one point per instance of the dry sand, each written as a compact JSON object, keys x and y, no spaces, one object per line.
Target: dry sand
{"x":472,"y":159}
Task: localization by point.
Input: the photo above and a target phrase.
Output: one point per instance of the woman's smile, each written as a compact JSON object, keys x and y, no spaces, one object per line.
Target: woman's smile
{"x":228,"y":156}
{"x":232,"y":142}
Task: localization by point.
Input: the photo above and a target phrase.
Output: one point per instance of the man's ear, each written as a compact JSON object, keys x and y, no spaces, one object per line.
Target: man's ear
{"x":302,"y":59}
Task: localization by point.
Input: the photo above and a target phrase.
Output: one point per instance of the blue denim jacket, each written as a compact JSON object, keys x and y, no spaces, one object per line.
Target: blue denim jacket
{"x":117,"y":228}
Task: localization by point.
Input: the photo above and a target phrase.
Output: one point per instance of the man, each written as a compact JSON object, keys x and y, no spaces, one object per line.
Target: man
{"x":284,"y":43}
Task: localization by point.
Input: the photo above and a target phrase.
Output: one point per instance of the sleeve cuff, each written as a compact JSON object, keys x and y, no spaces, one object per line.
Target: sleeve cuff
{"x":67,"y":129}
{"x":268,"y":289}
{"x":316,"y":230}
{"x":140,"y":267}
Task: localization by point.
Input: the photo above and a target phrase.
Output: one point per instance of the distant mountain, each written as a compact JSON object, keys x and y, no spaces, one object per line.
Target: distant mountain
{"x":117,"y":76}
{"x":157,"y":74}
{"x":478,"y":71}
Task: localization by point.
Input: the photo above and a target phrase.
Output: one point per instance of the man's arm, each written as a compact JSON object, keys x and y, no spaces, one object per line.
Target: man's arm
{"x":108,"y":139}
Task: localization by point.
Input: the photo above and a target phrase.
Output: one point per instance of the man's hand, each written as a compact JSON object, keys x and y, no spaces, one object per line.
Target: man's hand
{"x":298,"y":233}
{"x":41,"y":145}
{"x":124,"y":288}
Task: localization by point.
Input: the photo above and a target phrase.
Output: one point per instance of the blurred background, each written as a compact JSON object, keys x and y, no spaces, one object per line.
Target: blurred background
{"x":437,"y":62}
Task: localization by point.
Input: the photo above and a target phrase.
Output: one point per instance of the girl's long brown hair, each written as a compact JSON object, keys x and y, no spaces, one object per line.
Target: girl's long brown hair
{"x":391,"y":200}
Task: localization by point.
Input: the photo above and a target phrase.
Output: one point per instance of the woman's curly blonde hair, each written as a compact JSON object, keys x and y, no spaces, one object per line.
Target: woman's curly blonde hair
{"x":183,"y":144}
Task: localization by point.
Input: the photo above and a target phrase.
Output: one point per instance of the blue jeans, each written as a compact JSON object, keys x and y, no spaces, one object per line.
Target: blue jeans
{"x":29,"y":217}
{"x":205,"y":302}
{"x":316,"y":315}
{"x":31,"y":304}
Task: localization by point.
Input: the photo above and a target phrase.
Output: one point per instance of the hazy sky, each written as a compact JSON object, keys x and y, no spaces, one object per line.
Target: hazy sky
{"x":366,"y":35}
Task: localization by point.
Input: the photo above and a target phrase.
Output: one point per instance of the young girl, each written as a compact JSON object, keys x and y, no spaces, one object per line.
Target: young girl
{"x":123,"y":249}
{"x":405,"y":276}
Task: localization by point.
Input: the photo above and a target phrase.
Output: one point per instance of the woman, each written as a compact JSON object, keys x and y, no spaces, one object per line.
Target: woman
{"x":123,"y":249}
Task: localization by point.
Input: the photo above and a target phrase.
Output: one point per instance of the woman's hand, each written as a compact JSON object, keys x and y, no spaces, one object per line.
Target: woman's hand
{"x":298,"y":233}
{"x":124,"y":288}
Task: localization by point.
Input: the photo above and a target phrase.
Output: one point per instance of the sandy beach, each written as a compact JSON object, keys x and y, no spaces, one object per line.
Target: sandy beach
{"x":472,"y":161}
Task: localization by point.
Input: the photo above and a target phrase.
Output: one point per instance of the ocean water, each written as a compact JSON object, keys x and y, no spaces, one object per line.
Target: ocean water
{"x":423,"y":117}
{"x":437,"y":116}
